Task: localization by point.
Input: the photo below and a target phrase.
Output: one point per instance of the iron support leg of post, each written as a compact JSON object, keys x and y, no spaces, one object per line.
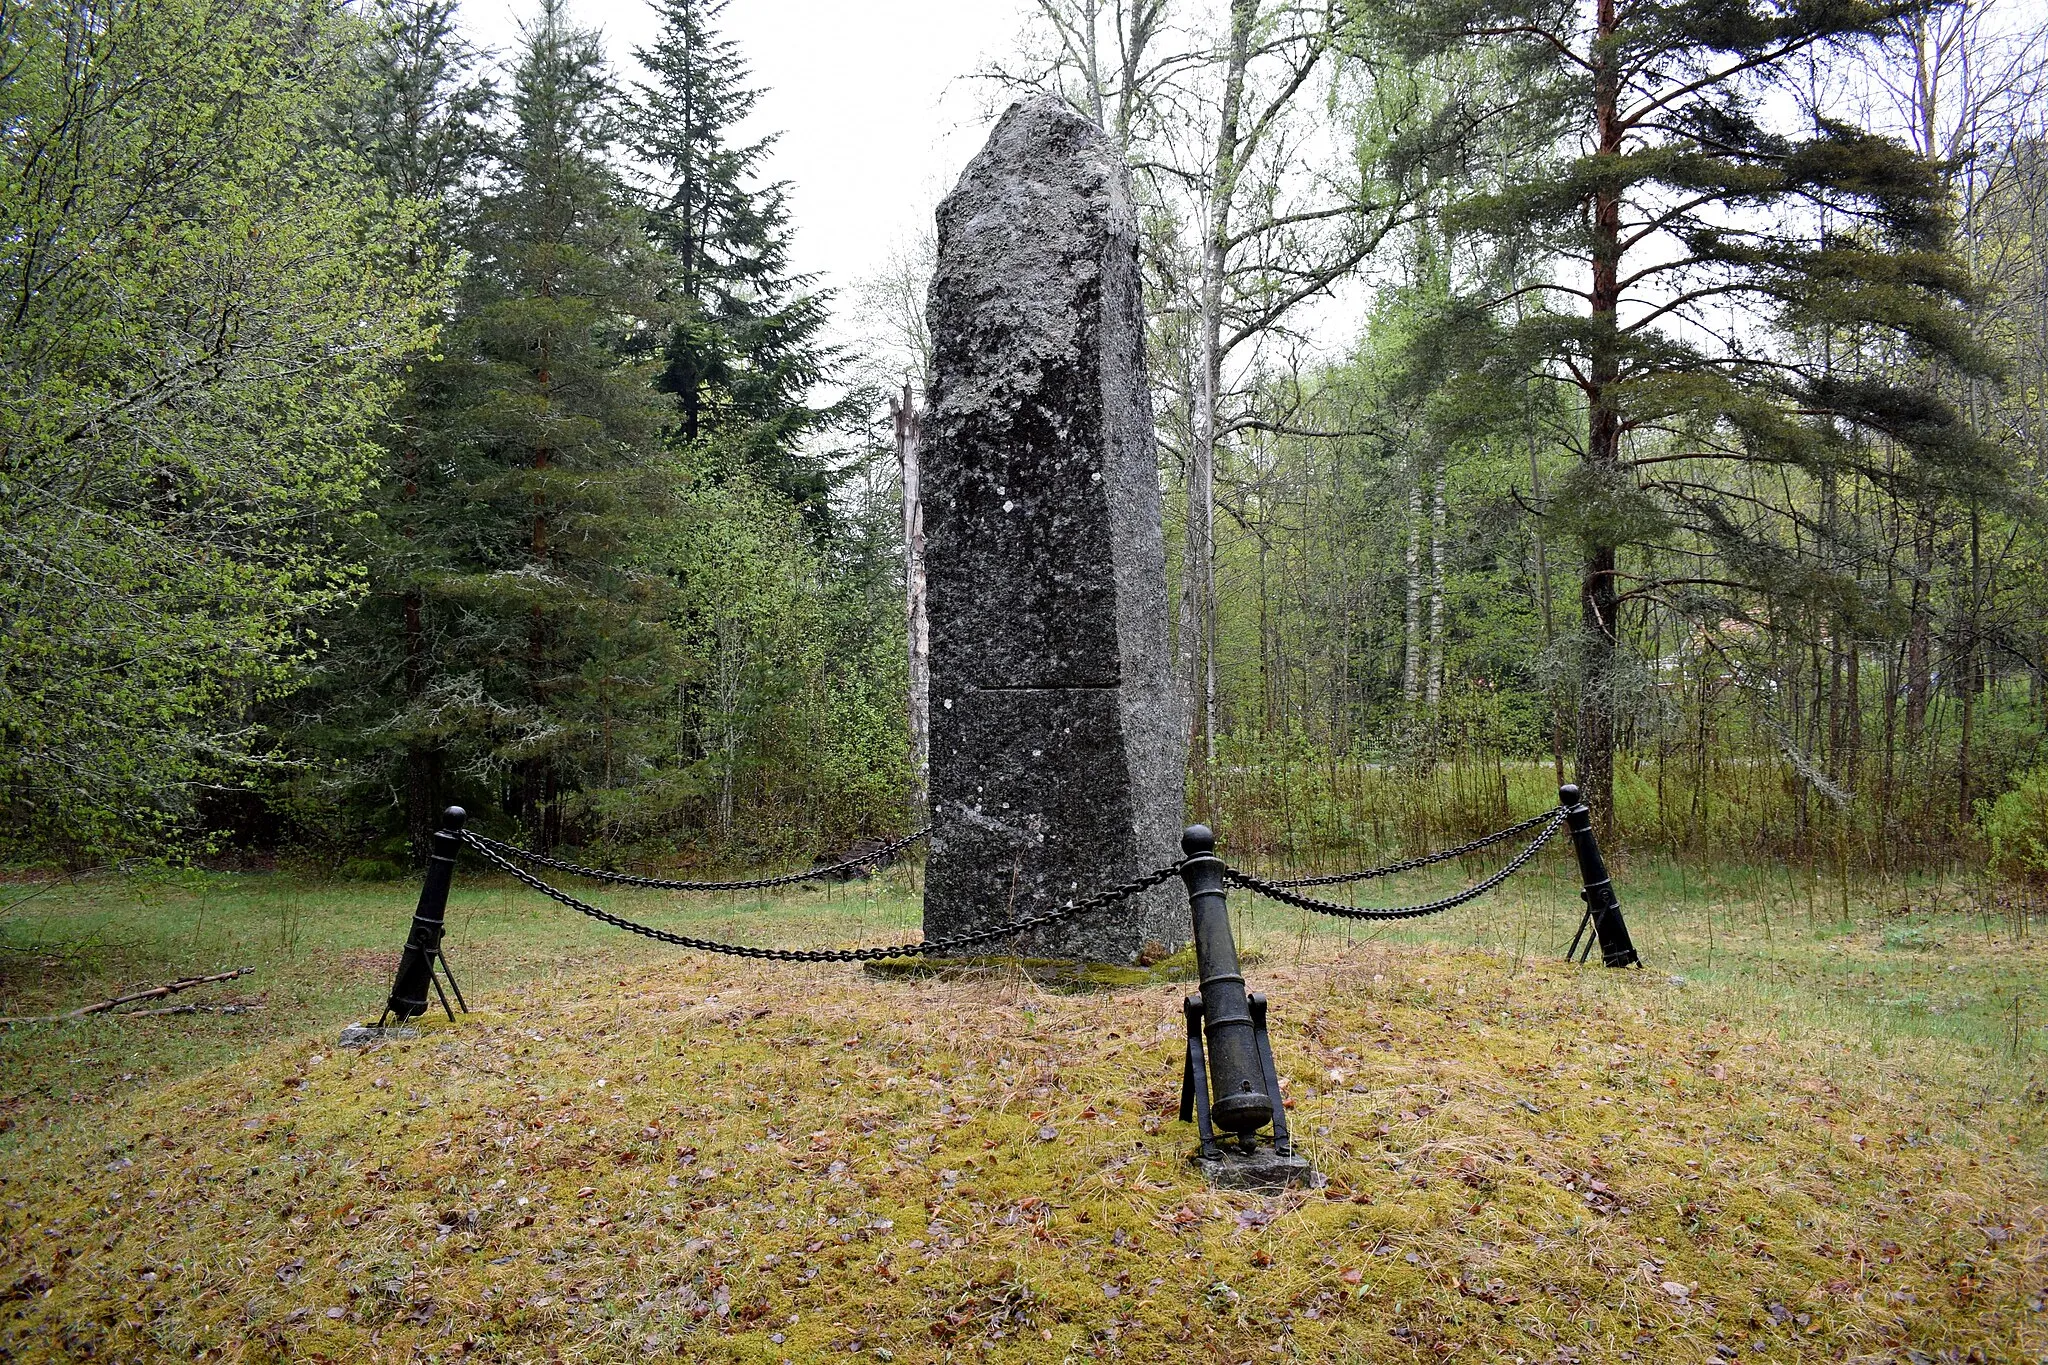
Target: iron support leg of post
{"x":443,"y":996}
{"x":1585,"y":921}
{"x":1584,"y":933}
{"x":442,"y":958}
{"x":1283,"y":1141}
{"x":1603,"y":907}
{"x":1194,"y":1092}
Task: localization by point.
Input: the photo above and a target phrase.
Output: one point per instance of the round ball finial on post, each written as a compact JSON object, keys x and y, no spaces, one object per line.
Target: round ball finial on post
{"x":1198,"y":841}
{"x":452,"y":818}
{"x":1568,"y":795}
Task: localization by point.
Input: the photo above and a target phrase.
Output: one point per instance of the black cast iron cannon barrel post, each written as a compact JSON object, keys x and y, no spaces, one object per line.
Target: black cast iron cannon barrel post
{"x":429,"y":921}
{"x":1237,"y":1081}
{"x":1603,"y":907}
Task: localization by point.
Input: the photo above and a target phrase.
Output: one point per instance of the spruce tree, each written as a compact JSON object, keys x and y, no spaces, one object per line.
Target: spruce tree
{"x":555,"y":436}
{"x":417,"y":120}
{"x":1691,"y":230}
{"x":745,"y":350}
{"x":510,"y":640}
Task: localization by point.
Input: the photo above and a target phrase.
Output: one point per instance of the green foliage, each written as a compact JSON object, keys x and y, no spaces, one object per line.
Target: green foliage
{"x":2016,"y":827}
{"x":206,"y":299}
{"x":602,"y":602}
{"x":1751,"y":304}
{"x":416,"y":116}
{"x":368,"y":718}
{"x":538,"y":457}
{"x":794,"y":709}
{"x":373,"y":438}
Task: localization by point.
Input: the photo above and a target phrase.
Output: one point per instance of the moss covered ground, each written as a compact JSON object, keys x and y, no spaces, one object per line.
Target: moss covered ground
{"x":1801,"y":1136}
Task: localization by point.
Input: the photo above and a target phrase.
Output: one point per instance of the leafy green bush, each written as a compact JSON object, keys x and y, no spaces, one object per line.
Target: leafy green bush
{"x":2016,"y":827}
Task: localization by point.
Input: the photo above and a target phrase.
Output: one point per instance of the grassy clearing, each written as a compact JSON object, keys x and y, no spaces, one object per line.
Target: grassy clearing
{"x":324,"y":954}
{"x":1825,"y":1141}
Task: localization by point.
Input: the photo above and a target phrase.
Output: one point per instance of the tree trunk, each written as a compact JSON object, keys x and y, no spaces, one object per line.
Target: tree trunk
{"x":422,"y":764}
{"x":1543,"y":602}
{"x":1969,"y":669}
{"x":1600,"y":604}
{"x":1594,"y":759}
{"x":1272,"y":673}
{"x":1201,"y":537}
{"x":1433,"y":685}
{"x":909,"y":433}
{"x":539,"y":783}
{"x":1188,"y":637}
{"x":1411,"y":634}
{"x":1920,"y":632}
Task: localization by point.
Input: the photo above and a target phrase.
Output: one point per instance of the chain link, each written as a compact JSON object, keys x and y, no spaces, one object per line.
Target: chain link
{"x":1278,"y":890}
{"x":485,"y":844}
{"x":1101,"y":900}
{"x":1426,"y":860}
{"x":502,"y":856}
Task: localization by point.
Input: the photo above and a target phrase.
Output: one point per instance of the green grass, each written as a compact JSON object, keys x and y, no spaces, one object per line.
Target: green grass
{"x":1799,"y":1135}
{"x":324,"y":954}
{"x":1768,"y":945}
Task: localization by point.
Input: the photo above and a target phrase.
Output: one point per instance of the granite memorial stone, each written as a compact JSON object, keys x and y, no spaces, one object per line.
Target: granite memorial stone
{"x":1056,"y":762}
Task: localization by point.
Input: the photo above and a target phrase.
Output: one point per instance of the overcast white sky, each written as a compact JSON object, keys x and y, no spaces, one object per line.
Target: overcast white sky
{"x":871,"y":98}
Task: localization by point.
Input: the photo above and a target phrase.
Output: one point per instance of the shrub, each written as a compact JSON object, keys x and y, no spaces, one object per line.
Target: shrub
{"x":2016,"y":828}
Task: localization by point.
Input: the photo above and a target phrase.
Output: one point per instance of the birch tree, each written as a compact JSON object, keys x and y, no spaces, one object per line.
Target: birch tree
{"x":1257,"y":211}
{"x":205,"y":303}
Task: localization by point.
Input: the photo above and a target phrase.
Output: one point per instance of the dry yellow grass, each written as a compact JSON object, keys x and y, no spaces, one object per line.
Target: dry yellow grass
{"x":736,"y":1163}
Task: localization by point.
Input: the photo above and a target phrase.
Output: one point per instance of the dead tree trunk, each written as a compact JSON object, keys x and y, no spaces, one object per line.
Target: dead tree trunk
{"x":918,"y":630}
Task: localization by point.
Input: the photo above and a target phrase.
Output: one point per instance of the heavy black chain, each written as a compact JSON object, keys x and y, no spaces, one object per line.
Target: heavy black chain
{"x":1278,"y":890}
{"x":1101,"y":900}
{"x":489,"y":847}
{"x":1426,"y":860}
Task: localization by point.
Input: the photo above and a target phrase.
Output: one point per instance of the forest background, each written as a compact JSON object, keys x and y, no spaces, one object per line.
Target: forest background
{"x":1643,"y":393}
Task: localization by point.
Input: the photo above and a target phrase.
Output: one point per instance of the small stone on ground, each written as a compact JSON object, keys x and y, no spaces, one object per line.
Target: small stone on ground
{"x":369,"y":1035}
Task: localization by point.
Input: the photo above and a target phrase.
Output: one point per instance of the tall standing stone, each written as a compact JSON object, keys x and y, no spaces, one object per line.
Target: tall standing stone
{"x":1056,"y":764}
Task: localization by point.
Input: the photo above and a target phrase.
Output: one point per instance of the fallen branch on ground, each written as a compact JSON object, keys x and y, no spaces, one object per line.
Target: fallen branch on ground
{"x":194,"y":1007}
{"x":153,"y":993}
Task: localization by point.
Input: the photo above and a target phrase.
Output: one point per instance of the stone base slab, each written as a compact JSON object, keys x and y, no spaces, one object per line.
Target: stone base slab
{"x":1261,"y":1170}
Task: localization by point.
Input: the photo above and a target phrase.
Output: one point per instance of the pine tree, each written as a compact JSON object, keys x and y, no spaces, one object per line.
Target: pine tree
{"x":1687,"y":237}
{"x":745,"y":349}
{"x":419,"y":120}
